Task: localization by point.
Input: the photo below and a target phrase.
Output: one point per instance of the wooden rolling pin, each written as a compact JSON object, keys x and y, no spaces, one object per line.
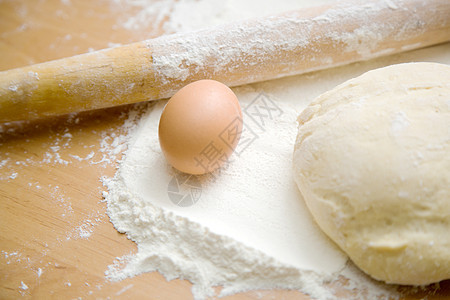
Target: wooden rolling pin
{"x":235,"y":54}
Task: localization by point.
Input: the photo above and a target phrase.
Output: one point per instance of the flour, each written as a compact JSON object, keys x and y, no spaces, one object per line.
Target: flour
{"x":84,"y":230}
{"x":271,"y":243}
{"x":249,"y":230}
{"x":251,"y":203}
{"x":287,"y":44}
{"x":399,"y":123}
{"x":171,"y":15}
{"x":23,"y":286}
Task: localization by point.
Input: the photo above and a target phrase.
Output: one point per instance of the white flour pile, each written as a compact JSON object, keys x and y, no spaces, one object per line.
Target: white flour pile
{"x":246,"y":221}
{"x":246,"y":227}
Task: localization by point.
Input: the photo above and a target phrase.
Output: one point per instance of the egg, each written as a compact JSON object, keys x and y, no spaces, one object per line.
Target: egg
{"x":200,"y":127}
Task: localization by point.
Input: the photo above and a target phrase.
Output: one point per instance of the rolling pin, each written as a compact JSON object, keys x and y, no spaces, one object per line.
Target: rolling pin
{"x":237,"y":53}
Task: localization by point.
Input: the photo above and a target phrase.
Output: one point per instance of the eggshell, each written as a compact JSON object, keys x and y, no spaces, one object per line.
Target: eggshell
{"x":200,"y":127}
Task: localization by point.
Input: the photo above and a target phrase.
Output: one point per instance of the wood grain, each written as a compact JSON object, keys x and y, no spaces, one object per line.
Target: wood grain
{"x":55,"y":236}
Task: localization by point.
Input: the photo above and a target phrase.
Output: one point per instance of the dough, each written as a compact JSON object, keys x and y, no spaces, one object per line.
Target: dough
{"x":372,"y":160}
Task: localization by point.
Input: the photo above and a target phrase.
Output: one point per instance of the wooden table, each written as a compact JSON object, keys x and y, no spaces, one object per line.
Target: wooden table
{"x":56,"y":240}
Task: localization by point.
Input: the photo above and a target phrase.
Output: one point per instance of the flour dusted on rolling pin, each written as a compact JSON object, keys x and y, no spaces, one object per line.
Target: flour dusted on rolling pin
{"x":295,"y":42}
{"x":235,"y":54}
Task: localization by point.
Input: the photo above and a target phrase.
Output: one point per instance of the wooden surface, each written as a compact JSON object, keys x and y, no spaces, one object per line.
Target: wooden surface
{"x":55,"y":239}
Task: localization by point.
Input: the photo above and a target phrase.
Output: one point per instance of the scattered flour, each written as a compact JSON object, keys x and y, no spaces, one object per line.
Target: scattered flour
{"x":84,"y":230}
{"x":58,"y":151}
{"x":23,"y":286}
{"x":14,"y":256}
{"x":249,"y":228}
{"x":53,"y":152}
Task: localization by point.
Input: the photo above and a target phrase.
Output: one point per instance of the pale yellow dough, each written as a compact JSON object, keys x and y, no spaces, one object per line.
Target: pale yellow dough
{"x":372,"y":160}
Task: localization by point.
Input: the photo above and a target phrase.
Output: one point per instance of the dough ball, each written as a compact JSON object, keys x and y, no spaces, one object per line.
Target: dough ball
{"x":372,"y":160}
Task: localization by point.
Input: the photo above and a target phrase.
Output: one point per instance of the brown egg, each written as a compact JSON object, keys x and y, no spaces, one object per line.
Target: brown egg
{"x":200,"y":127}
